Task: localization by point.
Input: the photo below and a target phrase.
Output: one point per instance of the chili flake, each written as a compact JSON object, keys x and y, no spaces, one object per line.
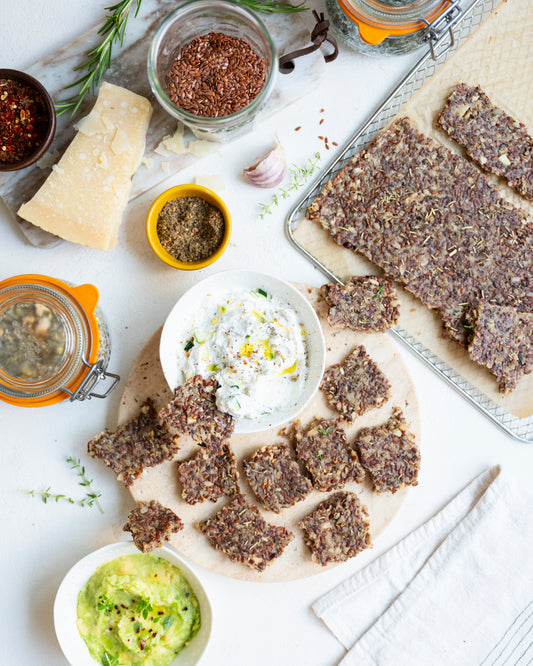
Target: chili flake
{"x":23,"y":121}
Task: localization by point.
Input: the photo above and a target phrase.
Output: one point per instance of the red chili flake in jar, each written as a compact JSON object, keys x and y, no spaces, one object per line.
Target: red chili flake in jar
{"x":23,"y":120}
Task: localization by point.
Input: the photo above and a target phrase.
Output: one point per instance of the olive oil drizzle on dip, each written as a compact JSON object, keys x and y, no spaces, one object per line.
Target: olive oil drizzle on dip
{"x":137,"y":609}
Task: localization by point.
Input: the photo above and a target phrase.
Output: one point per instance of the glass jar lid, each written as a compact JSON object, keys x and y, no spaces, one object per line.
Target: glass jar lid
{"x":379,"y":19}
{"x":49,"y":339}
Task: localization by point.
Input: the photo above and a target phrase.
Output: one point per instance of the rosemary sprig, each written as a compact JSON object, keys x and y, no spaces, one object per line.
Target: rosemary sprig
{"x":91,"y":497}
{"x":99,"y":58}
{"x":299,"y":176}
{"x":275,"y":6}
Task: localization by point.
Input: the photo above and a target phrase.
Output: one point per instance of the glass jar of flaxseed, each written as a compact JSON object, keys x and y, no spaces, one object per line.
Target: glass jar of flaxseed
{"x":384,"y":27}
{"x":54,"y":342}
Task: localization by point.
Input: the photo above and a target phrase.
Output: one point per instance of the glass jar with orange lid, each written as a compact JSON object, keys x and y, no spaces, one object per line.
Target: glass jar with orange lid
{"x":54,"y":342}
{"x":389,"y":27}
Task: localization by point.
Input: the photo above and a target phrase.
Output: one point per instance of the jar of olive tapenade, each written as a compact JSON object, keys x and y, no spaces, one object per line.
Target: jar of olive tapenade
{"x":54,"y":342}
{"x":390,"y":27}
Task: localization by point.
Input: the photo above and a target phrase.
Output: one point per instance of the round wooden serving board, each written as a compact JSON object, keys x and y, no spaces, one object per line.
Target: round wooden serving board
{"x":161,"y":482}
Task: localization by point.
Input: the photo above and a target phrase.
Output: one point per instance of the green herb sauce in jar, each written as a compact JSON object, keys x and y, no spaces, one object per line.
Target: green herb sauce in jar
{"x":137,"y":610}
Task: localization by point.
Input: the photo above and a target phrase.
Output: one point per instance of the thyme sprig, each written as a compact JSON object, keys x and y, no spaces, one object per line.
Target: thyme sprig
{"x":99,"y":58}
{"x":91,"y":494}
{"x":299,"y":176}
{"x":91,"y":497}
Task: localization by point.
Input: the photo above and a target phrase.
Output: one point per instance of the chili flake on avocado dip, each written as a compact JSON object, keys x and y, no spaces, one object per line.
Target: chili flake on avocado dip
{"x":137,"y":609}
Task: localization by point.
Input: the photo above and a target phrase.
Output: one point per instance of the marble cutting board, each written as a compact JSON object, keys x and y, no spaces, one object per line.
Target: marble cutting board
{"x":128,"y":69}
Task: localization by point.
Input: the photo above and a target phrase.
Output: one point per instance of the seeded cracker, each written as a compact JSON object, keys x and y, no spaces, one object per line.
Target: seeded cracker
{"x":356,"y":385}
{"x":143,"y":442}
{"x":151,"y":524}
{"x":337,"y":529}
{"x":239,"y":531}
{"x":389,"y":453}
{"x":276,"y":478}
{"x":209,"y":475}
{"x":193,"y":410}
{"x":363,"y":304}
{"x":323,"y":449}
{"x":492,"y":138}
{"x":503,"y":342}
{"x":431,"y":220}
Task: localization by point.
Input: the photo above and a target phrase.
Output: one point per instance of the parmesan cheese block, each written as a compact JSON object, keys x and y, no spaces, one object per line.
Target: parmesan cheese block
{"x":84,"y":197}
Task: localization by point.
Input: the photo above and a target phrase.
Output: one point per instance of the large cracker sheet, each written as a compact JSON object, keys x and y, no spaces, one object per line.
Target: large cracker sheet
{"x":161,"y":482}
{"x":499,"y":58}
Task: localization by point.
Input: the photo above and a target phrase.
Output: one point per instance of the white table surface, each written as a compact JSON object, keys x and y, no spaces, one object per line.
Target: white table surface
{"x":260,"y":624}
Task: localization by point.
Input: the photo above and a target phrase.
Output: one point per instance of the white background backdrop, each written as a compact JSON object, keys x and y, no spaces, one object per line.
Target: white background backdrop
{"x":253,"y":624}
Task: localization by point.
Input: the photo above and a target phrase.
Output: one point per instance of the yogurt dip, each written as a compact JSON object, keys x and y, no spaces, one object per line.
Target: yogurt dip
{"x":255,"y":345}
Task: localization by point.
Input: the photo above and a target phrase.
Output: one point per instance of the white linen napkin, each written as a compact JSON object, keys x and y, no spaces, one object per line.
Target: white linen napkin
{"x":456,"y":591}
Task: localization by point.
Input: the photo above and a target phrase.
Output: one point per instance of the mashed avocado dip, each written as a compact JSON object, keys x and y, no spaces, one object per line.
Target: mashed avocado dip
{"x":137,"y":609}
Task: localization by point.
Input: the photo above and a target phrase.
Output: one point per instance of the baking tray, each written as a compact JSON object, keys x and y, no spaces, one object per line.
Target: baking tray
{"x":440,"y":48}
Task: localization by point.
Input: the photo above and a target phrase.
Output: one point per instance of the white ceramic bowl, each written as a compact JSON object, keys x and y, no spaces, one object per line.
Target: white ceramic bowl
{"x":66,"y":601}
{"x":177,"y":327}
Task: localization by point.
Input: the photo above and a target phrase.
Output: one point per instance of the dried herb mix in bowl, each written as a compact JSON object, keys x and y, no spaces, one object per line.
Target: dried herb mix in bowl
{"x":190,"y":228}
{"x":216,"y":75}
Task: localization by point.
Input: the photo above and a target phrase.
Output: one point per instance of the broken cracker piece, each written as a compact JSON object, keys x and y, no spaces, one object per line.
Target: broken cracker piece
{"x":365,"y":303}
{"x":240,"y":532}
{"x":323,"y":449}
{"x":142,"y":442}
{"x":209,"y":475}
{"x":356,"y":385}
{"x":389,"y":453}
{"x":276,"y":478}
{"x":337,"y":529}
{"x":193,"y":410}
{"x":151,"y":524}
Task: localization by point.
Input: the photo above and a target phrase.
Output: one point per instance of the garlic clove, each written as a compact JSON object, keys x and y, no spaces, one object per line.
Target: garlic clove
{"x":269,"y":171}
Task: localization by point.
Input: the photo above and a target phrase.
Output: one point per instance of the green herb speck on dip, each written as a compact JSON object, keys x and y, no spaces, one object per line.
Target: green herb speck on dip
{"x":137,"y":609}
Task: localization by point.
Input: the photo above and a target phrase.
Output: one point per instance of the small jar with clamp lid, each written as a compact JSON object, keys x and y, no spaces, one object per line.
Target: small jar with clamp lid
{"x":54,"y":342}
{"x":388,"y":27}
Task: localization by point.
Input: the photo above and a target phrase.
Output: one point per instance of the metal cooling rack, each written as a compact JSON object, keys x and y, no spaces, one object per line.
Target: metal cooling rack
{"x":441,"y":45}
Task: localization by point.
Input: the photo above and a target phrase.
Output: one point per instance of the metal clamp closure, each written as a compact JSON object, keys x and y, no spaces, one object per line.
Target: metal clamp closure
{"x":441,"y":28}
{"x":95,"y":375}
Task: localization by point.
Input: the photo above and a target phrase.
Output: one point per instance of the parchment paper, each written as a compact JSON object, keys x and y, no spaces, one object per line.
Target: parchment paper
{"x":499,"y":58}
{"x":161,"y":482}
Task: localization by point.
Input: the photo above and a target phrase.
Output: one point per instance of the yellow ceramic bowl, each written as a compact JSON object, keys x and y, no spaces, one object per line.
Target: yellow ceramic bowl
{"x":186,"y":191}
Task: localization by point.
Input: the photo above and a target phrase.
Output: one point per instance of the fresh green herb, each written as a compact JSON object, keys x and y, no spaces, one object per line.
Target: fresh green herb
{"x":324,"y":431}
{"x":189,"y":345}
{"x":104,"y":604}
{"x":200,"y":342}
{"x":319,"y":455}
{"x":299,"y":176}
{"x":144,"y":607}
{"x":99,"y":58}
{"x":214,"y":367}
{"x":275,"y":6}
{"x":137,"y":626}
{"x":108,"y":660}
{"x":234,"y":386}
{"x":261,"y":292}
{"x":379,"y":291}
{"x":91,"y":495}
{"x":168,"y":621}
{"x":468,"y":325}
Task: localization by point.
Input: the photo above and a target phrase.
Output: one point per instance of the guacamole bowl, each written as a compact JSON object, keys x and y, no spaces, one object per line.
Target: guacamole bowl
{"x":66,"y":604}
